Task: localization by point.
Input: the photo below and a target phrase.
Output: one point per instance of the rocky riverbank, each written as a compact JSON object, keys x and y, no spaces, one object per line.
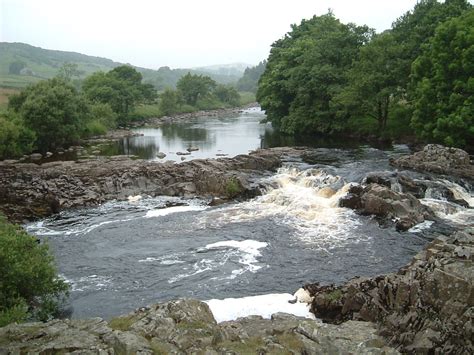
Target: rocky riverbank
{"x":29,"y":191}
{"x":188,"y":327}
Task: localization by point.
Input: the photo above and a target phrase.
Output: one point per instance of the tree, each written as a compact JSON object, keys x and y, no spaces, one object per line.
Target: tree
{"x":443,"y":80}
{"x":306,"y":70}
{"x":121,"y":88}
{"x":169,"y":102}
{"x":54,"y":111}
{"x":194,"y":87}
{"x":373,"y":80}
{"x":251,"y":76}
{"x":68,"y":71}
{"x":15,"y":138}
{"x":227,"y":94}
{"x":29,"y":286}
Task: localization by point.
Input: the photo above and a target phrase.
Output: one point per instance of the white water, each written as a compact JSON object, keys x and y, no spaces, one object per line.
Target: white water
{"x":263,"y":305}
{"x":305,"y":200}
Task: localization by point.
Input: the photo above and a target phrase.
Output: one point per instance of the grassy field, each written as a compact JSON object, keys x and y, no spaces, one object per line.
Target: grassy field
{"x":4,"y":94}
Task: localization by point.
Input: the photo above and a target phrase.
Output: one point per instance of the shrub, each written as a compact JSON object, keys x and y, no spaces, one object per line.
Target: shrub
{"x":29,"y":285}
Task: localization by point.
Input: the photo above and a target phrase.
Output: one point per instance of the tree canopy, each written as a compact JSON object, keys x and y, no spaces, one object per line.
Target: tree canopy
{"x":193,"y":87}
{"x":443,"y":80}
{"x":121,"y":88}
{"x":306,"y":70}
{"x":54,"y":111}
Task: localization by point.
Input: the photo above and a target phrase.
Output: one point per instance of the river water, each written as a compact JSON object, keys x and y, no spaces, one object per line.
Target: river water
{"x":122,"y":255}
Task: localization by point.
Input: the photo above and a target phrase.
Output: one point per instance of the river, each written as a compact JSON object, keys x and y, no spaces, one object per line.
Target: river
{"x":123,"y":255}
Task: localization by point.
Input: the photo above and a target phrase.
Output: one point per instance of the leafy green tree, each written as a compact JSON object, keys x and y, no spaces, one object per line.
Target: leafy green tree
{"x":15,"y":138}
{"x":68,"y":71}
{"x":29,"y":285}
{"x":54,"y":111}
{"x":227,"y":94}
{"x":443,"y":78}
{"x":251,"y":76}
{"x":416,"y":27}
{"x":373,"y":80}
{"x":306,"y":70}
{"x":169,"y":101}
{"x":194,"y":87}
{"x":121,"y":88}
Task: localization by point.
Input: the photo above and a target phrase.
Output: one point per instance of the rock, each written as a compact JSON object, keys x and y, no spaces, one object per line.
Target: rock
{"x":160,"y":155}
{"x":183,"y":153}
{"x":36,"y":156}
{"x":192,"y":149}
{"x":438,"y":159}
{"x":49,"y":154}
{"x":24,"y":187}
{"x":388,"y":205}
{"x":424,"y":308}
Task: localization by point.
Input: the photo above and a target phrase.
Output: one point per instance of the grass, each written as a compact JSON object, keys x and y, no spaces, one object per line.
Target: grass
{"x":232,"y":188}
{"x":335,"y":295}
{"x":121,"y":323}
{"x":247,"y":98}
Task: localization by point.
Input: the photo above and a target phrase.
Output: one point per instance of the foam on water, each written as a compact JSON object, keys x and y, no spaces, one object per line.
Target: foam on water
{"x":175,"y":209}
{"x":305,"y":200}
{"x":263,"y":305}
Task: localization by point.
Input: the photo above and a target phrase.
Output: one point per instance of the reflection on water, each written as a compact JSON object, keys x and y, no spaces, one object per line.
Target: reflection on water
{"x":224,"y":136}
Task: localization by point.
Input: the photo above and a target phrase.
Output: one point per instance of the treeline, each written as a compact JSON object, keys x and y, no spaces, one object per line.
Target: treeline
{"x":415,"y":79}
{"x":58,"y":112}
{"x":249,"y":80}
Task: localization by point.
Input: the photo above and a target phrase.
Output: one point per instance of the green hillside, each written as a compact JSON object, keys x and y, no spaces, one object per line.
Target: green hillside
{"x":22,"y":64}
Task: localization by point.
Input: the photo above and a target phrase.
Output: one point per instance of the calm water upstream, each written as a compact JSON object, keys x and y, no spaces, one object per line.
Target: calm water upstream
{"x":123,"y":255}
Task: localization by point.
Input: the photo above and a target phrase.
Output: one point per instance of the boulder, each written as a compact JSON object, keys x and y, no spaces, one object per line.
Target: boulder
{"x":160,"y":155}
{"x":424,"y":308}
{"x":438,"y":159}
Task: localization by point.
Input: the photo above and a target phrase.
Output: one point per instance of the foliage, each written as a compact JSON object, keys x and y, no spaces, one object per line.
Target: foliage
{"x":121,"y":88}
{"x":443,"y":78}
{"x":15,"y":138}
{"x":54,"y":110}
{"x":193,"y":87}
{"x":249,"y":81}
{"x":232,"y":188}
{"x":68,"y":71}
{"x":29,"y":286}
{"x":227,"y":94}
{"x":306,"y":70}
{"x":373,"y":85}
{"x":169,"y":100}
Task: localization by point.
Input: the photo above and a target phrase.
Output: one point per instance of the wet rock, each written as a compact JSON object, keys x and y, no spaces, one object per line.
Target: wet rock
{"x":29,"y":191}
{"x":183,"y":153}
{"x":388,"y":205}
{"x":424,"y":308}
{"x":192,"y":149}
{"x":48,"y":154}
{"x":160,"y":155}
{"x":378,"y":179}
{"x":438,"y":159}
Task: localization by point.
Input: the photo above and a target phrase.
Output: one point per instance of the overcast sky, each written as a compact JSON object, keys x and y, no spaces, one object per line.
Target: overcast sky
{"x":176,"y":33}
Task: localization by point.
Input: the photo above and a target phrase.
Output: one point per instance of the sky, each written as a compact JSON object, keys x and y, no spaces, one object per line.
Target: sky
{"x":177,"y":33}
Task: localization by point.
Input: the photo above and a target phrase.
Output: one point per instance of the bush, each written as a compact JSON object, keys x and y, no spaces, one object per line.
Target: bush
{"x":29,"y":285}
{"x":15,"y":138}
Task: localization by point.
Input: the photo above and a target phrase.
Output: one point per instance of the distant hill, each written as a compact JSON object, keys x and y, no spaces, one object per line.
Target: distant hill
{"x":233,"y":69}
{"x":22,"y":64}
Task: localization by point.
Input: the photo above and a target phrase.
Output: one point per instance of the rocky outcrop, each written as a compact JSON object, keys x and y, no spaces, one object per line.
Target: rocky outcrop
{"x":379,"y":200}
{"x":427,"y":307}
{"x":188,"y":327}
{"x":29,"y":191}
{"x":438,"y":159}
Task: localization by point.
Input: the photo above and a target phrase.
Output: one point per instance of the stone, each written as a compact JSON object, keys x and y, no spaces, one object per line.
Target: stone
{"x":160,"y":155}
{"x":36,"y":156}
